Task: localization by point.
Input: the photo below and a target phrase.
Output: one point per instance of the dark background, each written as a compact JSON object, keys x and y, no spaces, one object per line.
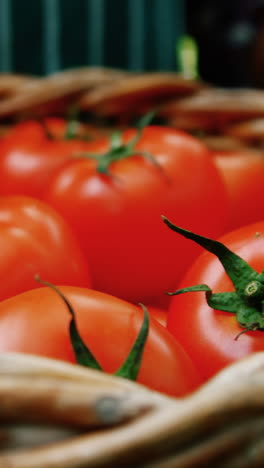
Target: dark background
{"x":42,"y":36}
{"x":231,"y":40}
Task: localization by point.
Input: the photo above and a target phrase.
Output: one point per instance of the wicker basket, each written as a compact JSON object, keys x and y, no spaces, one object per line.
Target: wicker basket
{"x":224,"y":119}
{"x":58,"y":415}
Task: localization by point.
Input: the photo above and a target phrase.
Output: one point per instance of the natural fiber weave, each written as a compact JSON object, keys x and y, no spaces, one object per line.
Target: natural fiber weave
{"x":105,"y":421}
{"x":115,"y":97}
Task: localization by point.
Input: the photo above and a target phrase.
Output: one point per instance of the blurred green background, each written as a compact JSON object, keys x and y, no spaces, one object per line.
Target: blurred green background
{"x":42,"y":36}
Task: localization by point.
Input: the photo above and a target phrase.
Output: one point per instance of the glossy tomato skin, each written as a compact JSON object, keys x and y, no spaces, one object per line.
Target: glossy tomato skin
{"x":158,"y":314}
{"x":51,"y":128}
{"x":117,"y":218}
{"x":243,"y":173}
{"x":37,"y":322}
{"x":27,"y":168}
{"x":29,"y":159}
{"x":34,"y":239}
{"x":209,"y":335}
{"x":25,"y":130}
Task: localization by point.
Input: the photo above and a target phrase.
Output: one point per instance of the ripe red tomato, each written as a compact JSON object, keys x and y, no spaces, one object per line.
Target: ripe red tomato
{"x":116,"y":216}
{"x":62,"y":129}
{"x":53,"y":128}
{"x":158,"y":314}
{"x":209,"y":335}
{"x":35,"y":239}
{"x":24,"y":130}
{"x":29,"y":159}
{"x":243,"y":173}
{"x":37,"y":322}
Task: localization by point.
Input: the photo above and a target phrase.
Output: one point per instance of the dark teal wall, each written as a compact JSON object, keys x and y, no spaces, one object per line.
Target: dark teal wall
{"x":41,"y":36}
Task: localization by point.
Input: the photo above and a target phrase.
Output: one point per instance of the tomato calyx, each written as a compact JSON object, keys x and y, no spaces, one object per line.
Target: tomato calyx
{"x":120,"y":150}
{"x":73,"y":126}
{"x":247,"y":301}
{"x":130,"y":368}
{"x":71,"y":131}
{"x":47,"y":133}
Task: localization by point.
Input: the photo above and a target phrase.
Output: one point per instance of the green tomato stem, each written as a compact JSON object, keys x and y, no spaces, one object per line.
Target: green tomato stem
{"x":247,"y":301}
{"x":84,"y":357}
{"x":119,"y":150}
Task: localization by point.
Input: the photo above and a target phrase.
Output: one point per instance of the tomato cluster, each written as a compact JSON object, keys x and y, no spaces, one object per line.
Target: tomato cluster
{"x":113,"y":200}
{"x":83,"y":210}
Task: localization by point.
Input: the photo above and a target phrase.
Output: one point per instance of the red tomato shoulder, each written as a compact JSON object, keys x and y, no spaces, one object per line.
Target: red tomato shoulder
{"x":37,"y":322}
{"x":116,"y":218}
{"x":243,"y":173}
{"x":34,"y":239}
{"x":209,"y":335}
